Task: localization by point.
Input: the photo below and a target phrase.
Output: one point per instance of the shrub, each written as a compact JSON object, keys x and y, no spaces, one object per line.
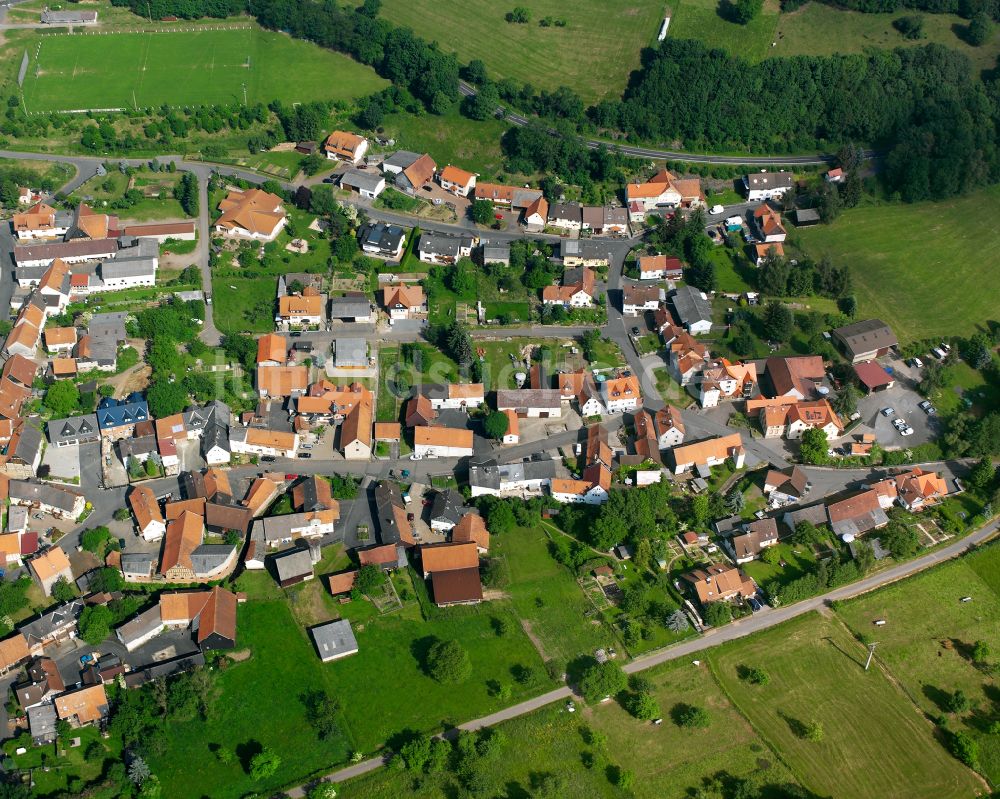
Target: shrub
{"x":448,"y":662}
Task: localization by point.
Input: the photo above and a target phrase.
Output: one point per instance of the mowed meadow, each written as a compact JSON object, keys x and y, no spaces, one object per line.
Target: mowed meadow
{"x":176,"y":67}
{"x":593,"y":53}
{"x":926,"y":269}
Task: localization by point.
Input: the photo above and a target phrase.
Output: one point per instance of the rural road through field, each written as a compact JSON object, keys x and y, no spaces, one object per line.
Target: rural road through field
{"x":739,"y":629}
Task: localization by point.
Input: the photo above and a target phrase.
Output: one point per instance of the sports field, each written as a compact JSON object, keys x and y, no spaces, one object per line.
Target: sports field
{"x":927,"y":269}
{"x":875,"y":742}
{"x":126,"y":70}
{"x":593,"y":54}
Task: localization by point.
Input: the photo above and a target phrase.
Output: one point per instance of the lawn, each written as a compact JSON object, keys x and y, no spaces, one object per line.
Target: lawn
{"x":961,"y":383}
{"x":243,"y":304}
{"x":593,"y":54}
{"x":125,"y":70}
{"x":450,"y":138}
{"x":386,"y":407}
{"x":899,"y":253}
{"x":733,"y":273}
{"x":875,"y":742}
{"x":928,"y":635}
{"x":547,"y":597}
{"x":283,"y":665}
{"x":798,"y":560}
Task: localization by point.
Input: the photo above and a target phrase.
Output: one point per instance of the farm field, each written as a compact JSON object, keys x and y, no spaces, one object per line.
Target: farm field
{"x":611,"y":38}
{"x":546,"y":596}
{"x":927,"y":640}
{"x":874,"y":743}
{"x":899,"y":252}
{"x":124,"y":70}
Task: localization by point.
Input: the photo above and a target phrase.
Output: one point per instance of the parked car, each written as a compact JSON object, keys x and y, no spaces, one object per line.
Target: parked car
{"x":635,"y":331}
{"x":717,"y":209}
{"x":267,"y":459}
{"x":305,"y":455}
{"x":906,"y":431}
{"x":291,"y":477}
{"x":888,"y":411}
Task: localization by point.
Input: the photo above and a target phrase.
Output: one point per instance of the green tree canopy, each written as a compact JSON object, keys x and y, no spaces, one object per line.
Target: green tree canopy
{"x":448,"y":662}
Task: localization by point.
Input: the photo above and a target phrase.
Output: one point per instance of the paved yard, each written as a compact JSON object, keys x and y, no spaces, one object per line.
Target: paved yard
{"x":63,"y":462}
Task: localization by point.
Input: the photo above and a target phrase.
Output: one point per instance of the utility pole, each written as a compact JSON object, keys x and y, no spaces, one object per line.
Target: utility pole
{"x":871,"y":653}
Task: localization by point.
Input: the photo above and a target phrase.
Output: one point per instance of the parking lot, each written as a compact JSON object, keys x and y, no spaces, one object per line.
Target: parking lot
{"x":904,"y":399}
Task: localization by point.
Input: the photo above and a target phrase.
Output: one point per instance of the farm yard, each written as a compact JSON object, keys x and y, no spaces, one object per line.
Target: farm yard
{"x":872,"y":741}
{"x":545,"y":57}
{"x":898,"y":253}
{"x":128,"y":70}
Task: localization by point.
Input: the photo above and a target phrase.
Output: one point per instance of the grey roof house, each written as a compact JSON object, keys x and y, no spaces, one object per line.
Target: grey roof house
{"x":334,"y":640}
{"x":74,"y":430}
{"x":352,"y":307}
{"x":293,"y":566}
{"x":692,"y":309}
{"x":350,"y":353}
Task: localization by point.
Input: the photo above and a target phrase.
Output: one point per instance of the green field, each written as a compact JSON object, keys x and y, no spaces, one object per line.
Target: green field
{"x":668,"y":762}
{"x":125,"y":70}
{"x":928,"y":635}
{"x":451,"y":139}
{"x":807,"y":31}
{"x":671,"y":761}
{"x":875,"y":742}
{"x":593,"y":54}
{"x":922,"y":268}
{"x":283,"y":666}
{"x":700,"y":19}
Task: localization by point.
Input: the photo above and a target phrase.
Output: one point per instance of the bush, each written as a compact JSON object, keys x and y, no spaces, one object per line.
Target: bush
{"x":602,"y":680}
{"x":643,"y":706}
{"x":448,"y":662}
{"x":690,"y":716}
{"x":755,"y":675}
{"x":717,"y":614}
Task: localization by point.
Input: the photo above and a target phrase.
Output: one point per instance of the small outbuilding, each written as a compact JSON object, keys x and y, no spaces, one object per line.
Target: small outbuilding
{"x":873,"y":377}
{"x":334,"y":640}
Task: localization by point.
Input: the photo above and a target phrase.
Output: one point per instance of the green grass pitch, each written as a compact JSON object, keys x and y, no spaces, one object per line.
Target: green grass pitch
{"x":127,"y":70}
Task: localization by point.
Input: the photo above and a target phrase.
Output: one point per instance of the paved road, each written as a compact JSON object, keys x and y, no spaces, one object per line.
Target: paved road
{"x":738,"y":629}
{"x":674,"y":155}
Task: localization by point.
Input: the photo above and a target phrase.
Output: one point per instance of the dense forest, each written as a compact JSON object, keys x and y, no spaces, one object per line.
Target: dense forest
{"x":922,"y":105}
